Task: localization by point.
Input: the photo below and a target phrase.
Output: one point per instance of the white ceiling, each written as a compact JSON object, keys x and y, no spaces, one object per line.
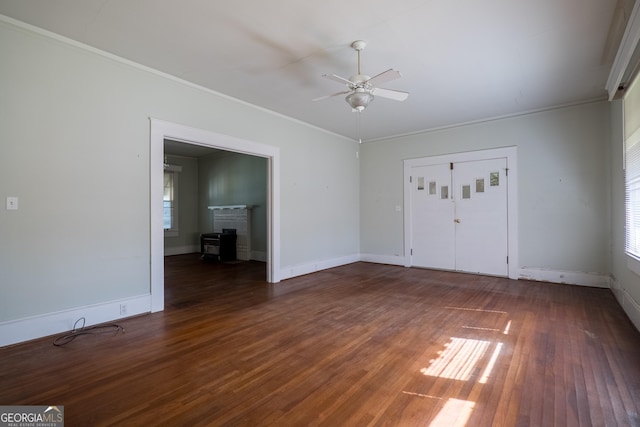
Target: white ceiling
{"x":461,"y":60}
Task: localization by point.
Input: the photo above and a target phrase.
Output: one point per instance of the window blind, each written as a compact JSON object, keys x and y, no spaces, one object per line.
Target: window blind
{"x":632,"y":169}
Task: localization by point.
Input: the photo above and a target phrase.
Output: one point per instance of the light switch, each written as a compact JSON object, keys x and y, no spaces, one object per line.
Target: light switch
{"x":12,"y":203}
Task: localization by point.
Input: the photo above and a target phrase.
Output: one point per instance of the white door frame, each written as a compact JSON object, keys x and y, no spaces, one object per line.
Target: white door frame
{"x":510,"y":153}
{"x":161,"y":130}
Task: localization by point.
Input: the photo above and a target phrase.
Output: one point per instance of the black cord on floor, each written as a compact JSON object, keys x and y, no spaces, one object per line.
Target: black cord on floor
{"x":76,"y":332}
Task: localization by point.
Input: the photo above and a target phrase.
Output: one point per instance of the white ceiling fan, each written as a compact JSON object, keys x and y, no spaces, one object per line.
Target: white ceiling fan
{"x":362,"y":88}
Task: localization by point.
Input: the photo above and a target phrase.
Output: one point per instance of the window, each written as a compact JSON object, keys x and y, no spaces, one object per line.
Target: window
{"x":632,"y":194}
{"x":170,"y":199}
{"x":632,"y":169}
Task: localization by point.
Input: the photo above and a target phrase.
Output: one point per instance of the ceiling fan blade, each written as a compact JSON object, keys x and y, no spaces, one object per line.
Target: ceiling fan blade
{"x":384,"y":77}
{"x":337,"y":79}
{"x":332,"y":95}
{"x":396,"y":95}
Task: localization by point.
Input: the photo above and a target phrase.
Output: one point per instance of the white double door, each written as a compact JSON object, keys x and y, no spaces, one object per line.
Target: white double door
{"x":459,"y":216}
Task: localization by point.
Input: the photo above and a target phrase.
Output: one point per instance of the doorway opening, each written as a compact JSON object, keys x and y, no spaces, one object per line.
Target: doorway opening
{"x":161,"y":131}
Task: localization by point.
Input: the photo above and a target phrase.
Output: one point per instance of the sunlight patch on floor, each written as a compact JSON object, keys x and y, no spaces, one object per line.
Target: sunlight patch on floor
{"x":475,"y":328}
{"x":462,"y":358}
{"x":487,"y":371}
{"x":410,"y":393}
{"x":454,"y":413}
{"x":507,"y":328}
{"x":459,"y":360}
{"x":477,"y":309}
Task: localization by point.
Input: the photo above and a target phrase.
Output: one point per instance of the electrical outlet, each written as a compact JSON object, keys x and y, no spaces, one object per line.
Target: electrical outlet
{"x":123,"y":309}
{"x":12,"y":203}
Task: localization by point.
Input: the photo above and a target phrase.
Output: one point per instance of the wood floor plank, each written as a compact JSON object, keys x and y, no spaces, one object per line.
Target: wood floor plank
{"x":358,"y":345}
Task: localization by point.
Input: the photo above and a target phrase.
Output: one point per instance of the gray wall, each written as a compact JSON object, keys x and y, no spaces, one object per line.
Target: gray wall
{"x":75,"y":149}
{"x":188,"y":236}
{"x":564,"y":184}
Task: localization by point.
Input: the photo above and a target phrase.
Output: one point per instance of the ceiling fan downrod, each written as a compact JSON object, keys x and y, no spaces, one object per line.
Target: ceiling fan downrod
{"x":359,"y":45}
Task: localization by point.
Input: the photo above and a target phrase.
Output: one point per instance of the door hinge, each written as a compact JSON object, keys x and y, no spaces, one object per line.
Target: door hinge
{"x":506,"y":172}
{"x":451,"y":165}
{"x":410,"y":179}
{"x":507,"y":260}
{"x":411,"y":251}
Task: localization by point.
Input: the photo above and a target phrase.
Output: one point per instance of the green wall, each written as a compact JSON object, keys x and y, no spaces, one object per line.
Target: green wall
{"x":235,"y":179}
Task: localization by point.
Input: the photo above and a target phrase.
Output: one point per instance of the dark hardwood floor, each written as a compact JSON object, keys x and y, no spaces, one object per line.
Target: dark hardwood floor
{"x":358,"y":345}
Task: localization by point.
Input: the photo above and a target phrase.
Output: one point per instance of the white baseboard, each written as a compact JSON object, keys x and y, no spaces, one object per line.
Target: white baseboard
{"x":259,"y":256}
{"x":312,"y":267}
{"x":181,"y":250}
{"x":632,"y":309}
{"x":16,"y":331}
{"x":628,"y":304}
{"x":526,"y":273}
{"x":384,"y":259}
{"x":567,"y":277}
{"x":537,"y":274}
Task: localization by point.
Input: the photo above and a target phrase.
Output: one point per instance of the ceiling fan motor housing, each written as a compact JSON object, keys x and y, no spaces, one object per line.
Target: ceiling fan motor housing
{"x":359,"y":80}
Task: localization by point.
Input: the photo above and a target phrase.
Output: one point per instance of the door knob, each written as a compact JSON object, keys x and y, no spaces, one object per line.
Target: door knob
{"x":457,"y":221}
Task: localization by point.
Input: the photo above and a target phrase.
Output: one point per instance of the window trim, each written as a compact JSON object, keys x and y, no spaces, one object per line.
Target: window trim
{"x":632,"y":141}
{"x":174,"y":231}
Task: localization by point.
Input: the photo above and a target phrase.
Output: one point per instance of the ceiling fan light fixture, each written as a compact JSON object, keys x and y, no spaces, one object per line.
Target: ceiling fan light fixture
{"x":359,"y":100}
{"x":361,"y":88}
